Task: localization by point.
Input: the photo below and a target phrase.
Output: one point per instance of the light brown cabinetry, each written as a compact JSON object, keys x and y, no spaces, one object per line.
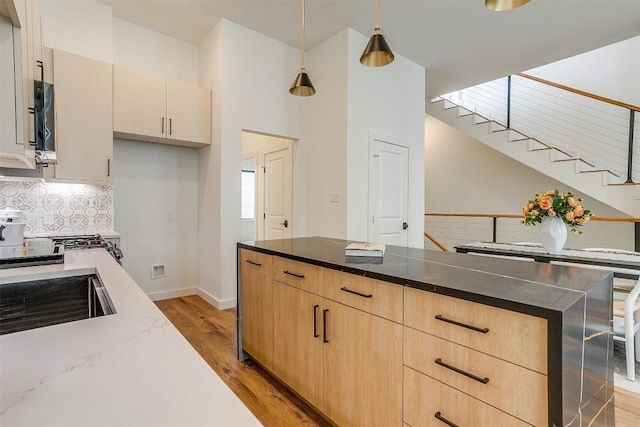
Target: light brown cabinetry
{"x":257,"y":306}
{"x":346,"y":362}
{"x":486,"y":353}
{"x":367,"y":352}
{"x":362,"y":368}
{"x":446,"y":403}
{"x":154,"y":109}
{"x":84,"y":106}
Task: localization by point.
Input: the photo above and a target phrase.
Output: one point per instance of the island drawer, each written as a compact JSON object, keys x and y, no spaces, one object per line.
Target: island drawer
{"x":427,"y":402}
{"x":299,"y":274}
{"x":516,"y":337}
{"x":514,"y":389}
{"x":380,"y":298}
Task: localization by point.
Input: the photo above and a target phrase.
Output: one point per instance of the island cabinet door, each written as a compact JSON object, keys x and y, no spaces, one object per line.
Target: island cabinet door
{"x":362,"y":368}
{"x":256,"y":290}
{"x":298,"y":327}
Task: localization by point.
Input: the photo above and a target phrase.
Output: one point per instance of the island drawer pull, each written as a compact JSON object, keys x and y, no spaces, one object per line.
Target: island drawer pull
{"x":464,"y":325}
{"x":254,"y":263}
{"x":444,"y":420}
{"x":315,"y":321}
{"x":324,"y":325}
{"x":356,"y":292}
{"x":460,"y":371}
{"x":299,"y":276}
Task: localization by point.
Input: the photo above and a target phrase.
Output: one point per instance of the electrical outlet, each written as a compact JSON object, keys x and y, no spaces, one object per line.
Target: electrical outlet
{"x":171,"y":215}
{"x":334,"y":197}
{"x":157,"y":270}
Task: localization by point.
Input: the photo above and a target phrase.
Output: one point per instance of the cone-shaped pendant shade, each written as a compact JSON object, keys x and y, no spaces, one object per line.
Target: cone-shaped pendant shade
{"x":377,"y":53}
{"x":302,"y":85}
{"x":501,"y":5}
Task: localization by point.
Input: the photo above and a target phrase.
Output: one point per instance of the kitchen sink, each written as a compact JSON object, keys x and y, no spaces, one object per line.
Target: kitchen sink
{"x":38,"y":303}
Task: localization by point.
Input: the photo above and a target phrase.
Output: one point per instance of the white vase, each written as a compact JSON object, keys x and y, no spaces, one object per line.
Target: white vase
{"x":553,"y":234}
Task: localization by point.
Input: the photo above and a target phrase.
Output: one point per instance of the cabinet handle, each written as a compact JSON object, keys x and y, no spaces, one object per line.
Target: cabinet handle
{"x":170,"y":127}
{"x":32,"y":111}
{"x":162,"y":131}
{"x":324,"y":325}
{"x":315,"y":321}
{"x":464,"y":325}
{"x":41,"y":66}
{"x":254,"y":263}
{"x":299,"y":276}
{"x":444,"y":420}
{"x":356,"y":293}
{"x":108,"y":167}
{"x":460,"y":371}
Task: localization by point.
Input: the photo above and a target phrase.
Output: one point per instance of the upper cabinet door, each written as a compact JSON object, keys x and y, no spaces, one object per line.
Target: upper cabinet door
{"x":140,"y":104}
{"x":189,"y":112}
{"x":84,"y":133}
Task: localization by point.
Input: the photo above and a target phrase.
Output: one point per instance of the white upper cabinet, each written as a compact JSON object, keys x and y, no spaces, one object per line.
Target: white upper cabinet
{"x":84,"y":122}
{"x":154,"y":109}
{"x":21,"y":55}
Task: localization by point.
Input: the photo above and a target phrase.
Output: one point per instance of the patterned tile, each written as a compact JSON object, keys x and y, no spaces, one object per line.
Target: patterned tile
{"x":78,"y":208}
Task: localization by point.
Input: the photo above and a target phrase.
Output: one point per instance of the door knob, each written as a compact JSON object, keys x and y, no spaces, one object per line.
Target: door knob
{"x":285,"y":223}
{"x":405,"y":225}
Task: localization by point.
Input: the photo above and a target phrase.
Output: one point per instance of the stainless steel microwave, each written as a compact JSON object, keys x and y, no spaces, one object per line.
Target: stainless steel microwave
{"x":45,"y":135}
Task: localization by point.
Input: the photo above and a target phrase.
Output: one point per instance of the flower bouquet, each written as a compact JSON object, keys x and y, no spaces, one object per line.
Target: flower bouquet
{"x":556,"y":204}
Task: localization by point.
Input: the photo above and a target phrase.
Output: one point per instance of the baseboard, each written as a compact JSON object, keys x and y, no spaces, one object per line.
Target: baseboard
{"x":217,"y":303}
{"x":175,"y":293}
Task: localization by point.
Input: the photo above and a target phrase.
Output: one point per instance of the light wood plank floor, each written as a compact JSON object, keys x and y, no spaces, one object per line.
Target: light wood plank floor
{"x":212,"y":333}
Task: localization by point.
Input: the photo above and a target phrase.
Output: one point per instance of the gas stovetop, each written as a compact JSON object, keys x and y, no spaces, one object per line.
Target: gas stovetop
{"x":81,"y":242}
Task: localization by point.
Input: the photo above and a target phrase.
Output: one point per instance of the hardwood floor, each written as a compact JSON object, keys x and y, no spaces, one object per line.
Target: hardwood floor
{"x":212,"y":333}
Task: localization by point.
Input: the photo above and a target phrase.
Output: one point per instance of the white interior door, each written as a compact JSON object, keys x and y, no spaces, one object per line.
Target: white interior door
{"x":278,"y":193}
{"x":388,"y":192}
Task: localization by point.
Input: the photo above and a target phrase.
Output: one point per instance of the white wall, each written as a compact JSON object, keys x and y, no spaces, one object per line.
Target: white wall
{"x":83,"y":27}
{"x":612,"y":71}
{"x":151,"y":183}
{"x":249,"y":74}
{"x":390,"y":101}
{"x":465,"y":176}
{"x":325,"y":134}
{"x":154,"y":53}
{"x":150,"y":180}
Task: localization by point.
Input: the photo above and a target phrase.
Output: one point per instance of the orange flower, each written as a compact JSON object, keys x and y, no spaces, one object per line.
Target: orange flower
{"x":569,"y":215}
{"x":572,"y":202}
{"x":545,"y":202}
{"x":552,"y":212}
{"x":578,"y":210}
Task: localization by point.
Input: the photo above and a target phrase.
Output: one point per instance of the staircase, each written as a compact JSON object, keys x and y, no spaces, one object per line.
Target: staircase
{"x":584,"y":175}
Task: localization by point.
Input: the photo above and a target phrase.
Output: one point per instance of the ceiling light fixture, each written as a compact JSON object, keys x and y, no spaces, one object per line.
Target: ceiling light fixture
{"x":302,"y":84}
{"x":502,"y":5}
{"x":377,"y":53}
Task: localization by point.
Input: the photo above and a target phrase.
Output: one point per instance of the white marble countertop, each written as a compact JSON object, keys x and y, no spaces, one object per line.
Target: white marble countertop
{"x":132,"y":368}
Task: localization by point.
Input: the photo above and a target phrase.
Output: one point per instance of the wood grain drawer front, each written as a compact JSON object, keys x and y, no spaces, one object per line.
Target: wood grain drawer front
{"x":298,"y":274}
{"x":516,"y":337}
{"x":256,"y":293}
{"x":515,"y":390}
{"x":428,"y":402}
{"x":373,"y":296}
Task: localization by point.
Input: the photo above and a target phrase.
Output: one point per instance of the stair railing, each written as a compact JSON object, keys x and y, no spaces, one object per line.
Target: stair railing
{"x":494,"y":228}
{"x":579,"y":124}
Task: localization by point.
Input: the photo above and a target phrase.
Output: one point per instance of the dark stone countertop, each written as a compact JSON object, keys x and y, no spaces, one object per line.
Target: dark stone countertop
{"x":540,"y":289}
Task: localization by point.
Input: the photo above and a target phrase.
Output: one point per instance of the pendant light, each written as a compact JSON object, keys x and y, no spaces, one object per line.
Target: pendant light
{"x":502,"y":5}
{"x":377,"y":53}
{"x":302,"y":84}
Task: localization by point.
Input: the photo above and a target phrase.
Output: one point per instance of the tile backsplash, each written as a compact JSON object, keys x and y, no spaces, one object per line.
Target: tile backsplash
{"x":56,"y":207}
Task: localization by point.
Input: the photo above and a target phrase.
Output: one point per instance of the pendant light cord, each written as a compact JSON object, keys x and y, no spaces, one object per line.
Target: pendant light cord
{"x":377,"y":29}
{"x":302,"y":66}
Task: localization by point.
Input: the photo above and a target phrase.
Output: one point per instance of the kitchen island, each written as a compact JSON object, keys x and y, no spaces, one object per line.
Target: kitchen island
{"x":131,"y":368}
{"x":424,"y":336}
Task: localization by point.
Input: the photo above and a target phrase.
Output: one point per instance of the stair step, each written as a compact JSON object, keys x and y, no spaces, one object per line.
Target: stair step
{"x":579,"y":159}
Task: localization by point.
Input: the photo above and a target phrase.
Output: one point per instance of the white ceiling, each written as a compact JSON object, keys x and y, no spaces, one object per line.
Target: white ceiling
{"x":458,"y":41}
